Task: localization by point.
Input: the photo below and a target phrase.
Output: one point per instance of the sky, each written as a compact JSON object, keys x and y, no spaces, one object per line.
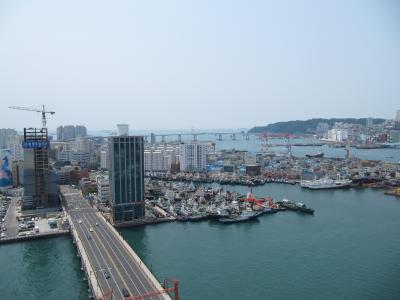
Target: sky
{"x":197,"y":64}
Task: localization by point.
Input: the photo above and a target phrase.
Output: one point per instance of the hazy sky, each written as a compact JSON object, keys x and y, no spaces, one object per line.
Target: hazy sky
{"x":202,"y":64}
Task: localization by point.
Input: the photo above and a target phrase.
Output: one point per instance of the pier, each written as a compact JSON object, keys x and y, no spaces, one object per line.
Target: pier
{"x":111,"y":266}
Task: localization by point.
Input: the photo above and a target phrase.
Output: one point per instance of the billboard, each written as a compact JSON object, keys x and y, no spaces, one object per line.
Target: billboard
{"x":5,"y":169}
{"x":35,"y":144}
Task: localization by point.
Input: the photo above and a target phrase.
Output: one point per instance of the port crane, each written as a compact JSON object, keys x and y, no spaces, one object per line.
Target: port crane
{"x":42,"y":111}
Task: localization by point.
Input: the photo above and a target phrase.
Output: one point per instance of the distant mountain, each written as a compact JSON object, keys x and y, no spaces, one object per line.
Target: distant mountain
{"x":307,"y":126}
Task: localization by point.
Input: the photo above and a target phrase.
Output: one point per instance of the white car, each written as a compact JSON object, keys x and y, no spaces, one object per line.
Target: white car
{"x":97,"y":224}
{"x":91,"y":229}
{"x":80,"y":221}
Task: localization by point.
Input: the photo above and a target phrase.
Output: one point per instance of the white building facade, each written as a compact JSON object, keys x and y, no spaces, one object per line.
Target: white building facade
{"x":193,"y":157}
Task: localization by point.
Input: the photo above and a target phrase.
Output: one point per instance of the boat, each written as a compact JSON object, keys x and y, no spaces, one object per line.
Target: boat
{"x":242,"y":217}
{"x":300,"y":207}
{"x":269,"y":210}
{"x":393,"y":192}
{"x":326,"y":183}
{"x":288,"y":204}
{"x":303,"y":208}
{"x":319,"y":154}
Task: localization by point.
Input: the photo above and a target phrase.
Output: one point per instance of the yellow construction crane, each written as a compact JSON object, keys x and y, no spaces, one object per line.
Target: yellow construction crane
{"x":43,"y":111}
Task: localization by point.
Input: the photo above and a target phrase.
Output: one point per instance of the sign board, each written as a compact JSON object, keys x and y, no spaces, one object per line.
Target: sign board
{"x":35,"y":144}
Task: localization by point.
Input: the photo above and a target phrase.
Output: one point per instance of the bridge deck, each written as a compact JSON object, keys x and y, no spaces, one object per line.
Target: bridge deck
{"x":107,"y":252}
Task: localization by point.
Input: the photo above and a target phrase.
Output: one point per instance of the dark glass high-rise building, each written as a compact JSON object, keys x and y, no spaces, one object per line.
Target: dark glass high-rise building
{"x":126,"y":167}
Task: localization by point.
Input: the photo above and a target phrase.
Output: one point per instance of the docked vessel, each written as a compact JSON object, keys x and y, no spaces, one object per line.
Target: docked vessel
{"x":303,"y":208}
{"x":300,"y":207}
{"x":325,"y":183}
{"x":242,"y":217}
{"x":288,"y":204}
{"x":319,"y":154}
{"x":393,"y":192}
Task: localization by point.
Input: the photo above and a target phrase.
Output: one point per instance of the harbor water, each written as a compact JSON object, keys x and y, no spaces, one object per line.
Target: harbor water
{"x":348,"y":250}
{"x":41,"y":269}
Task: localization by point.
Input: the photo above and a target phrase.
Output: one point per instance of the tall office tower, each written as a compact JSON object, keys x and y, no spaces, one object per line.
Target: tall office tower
{"x":80,"y":131}
{"x":369,"y":122}
{"x":5,"y":135}
{"x":60,"y":133}
{"x":126,"y":168}
{"x":69,"y":132}
{"x":123,"y":129}
{"x":193,"y":157}
{"x":39,"y":185}
{"x":152,"y":138}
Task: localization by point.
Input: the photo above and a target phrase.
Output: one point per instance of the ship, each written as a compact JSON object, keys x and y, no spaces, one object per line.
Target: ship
{"x":393,"y":192}
{"x":319,"y":154}
{"x":325,"y":183}
{"x":303,"y":208}
{"x":288,"y":204}
{"x":300,"y":207}
{"x":242,"y":217}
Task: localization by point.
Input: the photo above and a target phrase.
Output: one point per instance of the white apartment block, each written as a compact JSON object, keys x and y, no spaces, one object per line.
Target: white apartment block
{"x":193,"y":157}
{"x":103,"y":188}
{"x":337,"y":135}
{"x":17,"y":151}
{"x":103,"y":159}
{"x":160,"y":158}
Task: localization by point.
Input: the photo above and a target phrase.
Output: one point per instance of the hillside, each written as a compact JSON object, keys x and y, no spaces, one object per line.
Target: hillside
{"x":307,"y":126}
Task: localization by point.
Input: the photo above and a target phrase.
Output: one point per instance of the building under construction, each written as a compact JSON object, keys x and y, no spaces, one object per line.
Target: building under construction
{"x":40,"y":189}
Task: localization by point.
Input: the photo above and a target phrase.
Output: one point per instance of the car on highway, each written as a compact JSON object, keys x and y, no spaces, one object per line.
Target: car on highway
{"x":80,"y":221}
{"x":125,"y":292}
{"x":89,"y":237}
{"x":97,"y":224}
{"x":91,"y":229}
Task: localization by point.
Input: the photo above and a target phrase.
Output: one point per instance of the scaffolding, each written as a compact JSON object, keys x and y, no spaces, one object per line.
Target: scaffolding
{"x":36,"y":140}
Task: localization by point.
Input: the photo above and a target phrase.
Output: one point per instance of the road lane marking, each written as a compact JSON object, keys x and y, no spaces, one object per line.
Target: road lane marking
{"x":112,"y":261}
{"x":110,"y":237}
